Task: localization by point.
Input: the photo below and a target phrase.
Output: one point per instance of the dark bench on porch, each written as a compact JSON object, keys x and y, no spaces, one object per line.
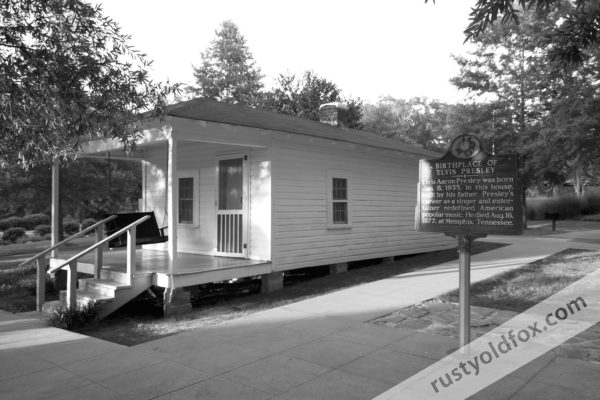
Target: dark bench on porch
{"x":147,"y":232}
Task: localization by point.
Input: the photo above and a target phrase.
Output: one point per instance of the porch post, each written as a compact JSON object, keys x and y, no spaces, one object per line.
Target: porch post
{"x":172,"y":203}
{"x":54,"y":238}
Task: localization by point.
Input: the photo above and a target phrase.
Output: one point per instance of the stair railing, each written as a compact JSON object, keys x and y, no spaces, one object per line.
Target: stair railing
{"x":40,"y":258}
{"x":71,"y":263}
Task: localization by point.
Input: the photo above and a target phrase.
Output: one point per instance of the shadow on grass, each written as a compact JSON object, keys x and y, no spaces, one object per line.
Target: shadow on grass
{"x":522,"y":288}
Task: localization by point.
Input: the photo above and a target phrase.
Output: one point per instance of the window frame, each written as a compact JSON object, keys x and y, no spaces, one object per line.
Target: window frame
{"x":195,"y":175}
{"x":339,"y":174}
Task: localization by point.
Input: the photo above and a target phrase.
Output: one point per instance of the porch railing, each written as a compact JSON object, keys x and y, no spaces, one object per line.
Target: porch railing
{"x":71,"y":263}
{"x":40,"y":258}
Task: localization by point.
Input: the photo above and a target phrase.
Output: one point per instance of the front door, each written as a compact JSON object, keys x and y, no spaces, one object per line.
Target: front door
{"x":231,"y":206}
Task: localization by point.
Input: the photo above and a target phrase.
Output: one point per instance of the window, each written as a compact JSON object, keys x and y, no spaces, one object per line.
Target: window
{"x":340,"y":200}
{"x":339,"y":209}
{"x":186,"y":200}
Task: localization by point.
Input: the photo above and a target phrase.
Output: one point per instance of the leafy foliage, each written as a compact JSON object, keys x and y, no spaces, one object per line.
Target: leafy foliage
{"x":87,"y":223}
{"x":67,"y":74}
{"x":417,"y":121}
{"x":42,"y":230}
{"x":70,"y":227}
{"x":33,"y":220}
{"x":536,"y":108}
{"x":566,"y":41}
{"x":228,"y":72}
{"x":96,"y":187}
{"x":72,"y":318}
{"x":10,"y":222}
{"x":303,"y":96}
{"x":13,"y":234}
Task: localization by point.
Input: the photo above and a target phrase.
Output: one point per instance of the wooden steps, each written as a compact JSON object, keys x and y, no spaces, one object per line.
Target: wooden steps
{"x":109,"y":292}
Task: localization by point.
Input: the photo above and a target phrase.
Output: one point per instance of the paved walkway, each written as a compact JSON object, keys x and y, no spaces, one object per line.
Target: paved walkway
{"x":321,"y":348}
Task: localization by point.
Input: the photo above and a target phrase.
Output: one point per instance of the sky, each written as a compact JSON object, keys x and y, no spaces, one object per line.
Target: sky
{"x":400,"y":48}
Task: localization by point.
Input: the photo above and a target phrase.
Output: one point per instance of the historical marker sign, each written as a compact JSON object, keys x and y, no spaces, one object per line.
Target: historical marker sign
{"x":469,"y":191}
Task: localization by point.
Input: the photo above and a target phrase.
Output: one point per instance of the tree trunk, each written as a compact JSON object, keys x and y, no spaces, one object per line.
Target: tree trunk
{"x":578,"y":185}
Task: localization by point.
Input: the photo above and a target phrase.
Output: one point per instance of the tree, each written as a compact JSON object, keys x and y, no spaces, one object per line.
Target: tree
{"x":508,"y":70}
{"x":567,"y":41}
{"x":417,"y":121}
{"x":568,"y":138}
{"x":303,"y":96}
{"x":95,"y":188}
{"x":68,"y":74}
{"x":545,"y":113}
{"x":228,"y":72}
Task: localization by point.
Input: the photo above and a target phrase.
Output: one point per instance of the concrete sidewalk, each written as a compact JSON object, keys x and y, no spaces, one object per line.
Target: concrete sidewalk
{"x":321,"y":348}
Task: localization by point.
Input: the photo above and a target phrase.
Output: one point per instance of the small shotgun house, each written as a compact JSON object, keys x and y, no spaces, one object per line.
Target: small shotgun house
{"x":246,"y":192}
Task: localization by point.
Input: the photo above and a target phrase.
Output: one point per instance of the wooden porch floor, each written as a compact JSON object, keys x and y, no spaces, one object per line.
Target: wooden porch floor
{"x":191,"y":269}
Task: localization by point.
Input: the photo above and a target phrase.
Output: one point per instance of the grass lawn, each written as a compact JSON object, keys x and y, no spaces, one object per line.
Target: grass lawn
{"x":17,"y":289}
{"x":17,"y":285}
{"x":522,"y":288}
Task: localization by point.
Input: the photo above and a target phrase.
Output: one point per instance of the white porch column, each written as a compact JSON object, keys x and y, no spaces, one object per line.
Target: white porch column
{"x":172,"y":203}
{"x":54,"y":238}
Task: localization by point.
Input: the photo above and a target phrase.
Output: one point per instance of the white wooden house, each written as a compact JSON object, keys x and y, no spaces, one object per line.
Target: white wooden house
{"x":246,"y":192}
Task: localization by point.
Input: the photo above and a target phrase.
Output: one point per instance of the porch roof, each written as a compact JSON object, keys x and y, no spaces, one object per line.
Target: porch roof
{"x":233,"y":114}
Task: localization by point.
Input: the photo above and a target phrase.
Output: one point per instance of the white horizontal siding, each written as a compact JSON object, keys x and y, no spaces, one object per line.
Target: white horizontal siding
{"x":383,"y":199}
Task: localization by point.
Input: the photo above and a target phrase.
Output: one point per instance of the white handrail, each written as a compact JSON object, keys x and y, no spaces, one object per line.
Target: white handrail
{"x":78,"y":234}
{"x":100,"y":243}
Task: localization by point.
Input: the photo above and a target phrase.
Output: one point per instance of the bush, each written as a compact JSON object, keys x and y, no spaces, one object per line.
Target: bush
{"x":33,"y":220}
{"x":42,"y":230}
{"x":72,"y":318}
{"x":568,"y":206}
{"x":87,"y":223}
{"x":70,"y":227}
{"x":11,"y":222}
{"x":590,"y":203}
{"x":35,"y":238}
{"x":13,"y":234}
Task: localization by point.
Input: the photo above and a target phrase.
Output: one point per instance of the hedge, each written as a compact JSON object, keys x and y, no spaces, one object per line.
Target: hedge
{"x":568,"y":206}
{"x":33,"y":220}
{"x":13,"y":234}
{"x":87,"y":223}
{"x":43,"y":229}
{"x":70,"y":227}
{"x":11,"y":222}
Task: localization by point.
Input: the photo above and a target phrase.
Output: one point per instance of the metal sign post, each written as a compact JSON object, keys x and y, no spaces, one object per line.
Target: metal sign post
{"x":464,"y":281}
{"x":468,"y":194}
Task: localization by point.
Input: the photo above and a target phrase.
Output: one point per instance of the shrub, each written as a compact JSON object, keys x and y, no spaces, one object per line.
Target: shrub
{"x":42,"y":230}
{"x":590,"y":203}
{"x":35,"y":238}
{"x":565,"y":206}
{"x":70,"y":227}
{"x":11,"y":222}
{"x":72,"y":318}
{"x":33,"y":220}
{"x":13,"y":234}
{"x":87,"y":223}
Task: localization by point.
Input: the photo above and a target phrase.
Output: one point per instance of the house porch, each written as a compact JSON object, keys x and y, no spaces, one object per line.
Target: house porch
{"x":190,"y":269}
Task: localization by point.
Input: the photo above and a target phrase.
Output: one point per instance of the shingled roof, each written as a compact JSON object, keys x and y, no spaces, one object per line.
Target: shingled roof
{"x":234,"y":114}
